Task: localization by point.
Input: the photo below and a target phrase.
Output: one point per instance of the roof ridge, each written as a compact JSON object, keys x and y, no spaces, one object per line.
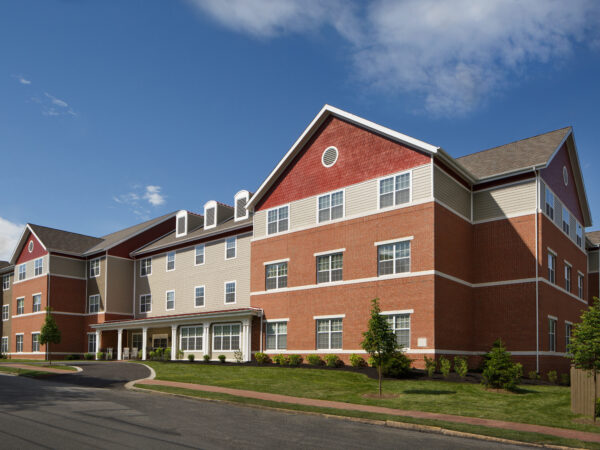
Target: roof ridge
{"x":137,"y":225}
{"x":63,"y":231}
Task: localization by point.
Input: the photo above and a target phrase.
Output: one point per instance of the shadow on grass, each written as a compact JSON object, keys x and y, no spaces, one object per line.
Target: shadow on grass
{"x":427,"y":392}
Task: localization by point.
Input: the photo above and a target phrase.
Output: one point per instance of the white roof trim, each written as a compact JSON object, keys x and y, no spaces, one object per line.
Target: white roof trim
{"x":325,"y":112}
{"x":20,"y":242}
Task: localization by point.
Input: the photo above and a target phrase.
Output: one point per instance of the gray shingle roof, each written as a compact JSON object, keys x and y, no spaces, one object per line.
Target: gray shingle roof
{"x":594,"y":237}
{"x":517,"y":155}
{"x":4,"y":264}
{"x":64,"y":241}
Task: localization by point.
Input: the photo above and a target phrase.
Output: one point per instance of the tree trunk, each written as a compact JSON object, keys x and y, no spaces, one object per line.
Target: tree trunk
{"x":379,"y":373}
{"x":595,"y":393}
{"x":48,"y":357}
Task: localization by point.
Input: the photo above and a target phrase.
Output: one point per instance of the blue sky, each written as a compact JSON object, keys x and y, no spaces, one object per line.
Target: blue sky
{"x":113,"y":112}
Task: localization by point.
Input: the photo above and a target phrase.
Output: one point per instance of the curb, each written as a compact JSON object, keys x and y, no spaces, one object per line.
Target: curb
{"x":131,"y":385}
{"x":387,"y":423}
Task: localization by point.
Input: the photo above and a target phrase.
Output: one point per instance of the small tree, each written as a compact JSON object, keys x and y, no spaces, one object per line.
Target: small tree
{"x":500,"y":371}
{"x":379,"y":340}
{"x":50,"y":334}
{"x":585,"y":343}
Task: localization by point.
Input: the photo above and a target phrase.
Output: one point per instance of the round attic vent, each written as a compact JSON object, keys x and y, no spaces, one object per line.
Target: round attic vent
{"x":30,"y":246}
{"x":330,"y":156}
{"x":565,"y":175}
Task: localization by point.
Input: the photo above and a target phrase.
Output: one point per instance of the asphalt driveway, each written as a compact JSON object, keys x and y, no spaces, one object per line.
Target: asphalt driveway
{"x":104,"y":374}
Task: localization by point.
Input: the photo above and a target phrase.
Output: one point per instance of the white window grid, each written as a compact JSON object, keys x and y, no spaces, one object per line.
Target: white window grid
{"x":329,"y":334}
{"x":579,"y":233}
{"x":552,"y":267}
{"x":170,"y":300}
{"x":549,"y":204}
{"x":6,"y":282}
{"x":38,"y":266}
{"x":393,"y":258}
{"x":4,"y":346}
{"x":330,"y":268}
{"x":146,"y":267}
{"x":95,"y":268}
{"x":330,"y":206}
{"x":199,"y":255}
{"x":276,"y":275}
{"x":226,"y":337}
{"x":580,"y":285}
{"x":230,"y":292}
{"x":94,"y":303}
{"x":276,"y":335}
{"x":22,"y":271}
{"x":37,"y":303}
{"x":191,"y":338}
{"x":400,"y":324}
{"x":35,"y":342}
{"x":5,"y":312}
{"x":568,"y":332}
{"x":19,"y":343}
{"x":146,"y":303}
{"x":230,"y":247}
{"x":395,"y":190}
{"x":278,"y":219}
{"x":91,"y":342}
{"x":199,"y":296}
{"x":170,"y":261}
{"x":566,"y":226}
{"x":552,"y":334}
{"x":567,"y":277}
{"x":20,"y":306}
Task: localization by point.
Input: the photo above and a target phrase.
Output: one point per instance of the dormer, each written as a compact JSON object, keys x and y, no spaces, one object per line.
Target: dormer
{"x":210,"y":214}
{"x":181,"y":223}
{"x":240,"y":202}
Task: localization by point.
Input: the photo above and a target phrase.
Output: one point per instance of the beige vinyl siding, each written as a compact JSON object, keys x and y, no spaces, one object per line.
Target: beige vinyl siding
{"x":504,"y":201}
{"x":451,"y":193}
{"x":303,"y":213}
{"x":120,"y":285}
{"x":361,"y":198}
{"x":30,"y":269}
{"x":260,"y":223}
{"x":68,"y":267}
{"x":421,"y":183}
{"x":593,"y":261}
{"x":97,"y":285}
{"x":213,"y":274}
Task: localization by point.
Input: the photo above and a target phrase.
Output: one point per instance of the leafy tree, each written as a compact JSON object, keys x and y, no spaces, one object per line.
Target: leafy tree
{"x":50,"y":333}
{"x":585,"y":342}
{"x":379,"y":340}
{"x":500,"y":371}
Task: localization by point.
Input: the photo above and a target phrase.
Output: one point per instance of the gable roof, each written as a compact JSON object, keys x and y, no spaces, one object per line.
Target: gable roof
{"x":63,"y":241}
{"x":593,"y":237}
{"x":515,"y":156}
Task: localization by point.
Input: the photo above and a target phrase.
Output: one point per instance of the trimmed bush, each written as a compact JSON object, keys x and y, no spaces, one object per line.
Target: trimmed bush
{"x":295,"y":360}
{"x":167,"y":354}
{"x":398,"y":366}
{"x":222,"y":358}
{"x":206,"y":358}
{"x":179,"y":354}
{"x":238,"y":356}
{"x":89,"y":356}
{"x":565,"y":379}
{"x":261,"y":358}
{"x":500,"y":371}
{"x":280,"y":359}
{"x":445,"y":366}
{"x":72,"y":357}
{"x":533,"y":375}
{"x":357,"y":361}
{"x":552,"y":376}
{"x":191,"y":357}
{"x":152,"y":355}
{"x":430,"y":366}
{"x":315,"y":360}
{"x":100,"y":355}
{"x":461,"y":367}
{"x":333,"y":361}
{"x":371,"y":362}
{"x":140,"y":354}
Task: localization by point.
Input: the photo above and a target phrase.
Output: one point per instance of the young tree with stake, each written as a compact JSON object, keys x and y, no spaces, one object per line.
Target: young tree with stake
{"x":50,"y":333}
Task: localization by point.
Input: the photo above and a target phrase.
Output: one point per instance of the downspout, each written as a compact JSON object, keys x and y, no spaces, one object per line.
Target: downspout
{"x":47,"y":303}
{"x":537,"y":283}
{"x":261,"y":329}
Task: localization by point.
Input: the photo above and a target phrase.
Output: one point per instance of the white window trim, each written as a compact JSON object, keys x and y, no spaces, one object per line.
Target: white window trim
{"x":22,"y":342}
{"x":286,"y":319}
{"x":7,"y":307}
{"x":167,"y":261}
{"x":203,"y":254}
{"x":178,"y":216}
{"x":17,"y":305}
{"x":208,"y":205}
{"x":39,"y":345}
{"x":276,"y":277}
{"x":408,"y":312}
{"x":35,"y":262}
{"x":410,"y":190}
{"x":32,"y":302}
{"x":24,"y":265}
{"x":394,"y":241}
{"x":90,"y":303}
{"x":167,"y":300}
{"x":289,"y":207}
{"x":329,"y":252}
{"x":99,"y":268}
{"x":577,"y":224}
{"x":277,"y":261}
{"x":331,"y":316}
{"x":329,"y":333}
{"x":5,"y":277}
{"x":141,"y":261}
{"x":87,"y":342}
{"x":400,"y":311}
{"x":204,"y":300}
{"x":201,"y":336}
{"x":343,"y":191}
{"x":234,"y":248}
{"x":330,"y":270}
{"x":239,"y":195}
{"x":276,"y":334}
{"x":140,"y":308}
{"x":225,"y":292}
{"x":552,"y":317}
{"x":241,"y":334}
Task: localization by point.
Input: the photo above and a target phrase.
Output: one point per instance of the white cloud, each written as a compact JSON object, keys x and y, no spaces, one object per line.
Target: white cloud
{"x":22,"y":80}
{"x":56,"y":101}
{"x":52,"y":106}
{"x":452,"y":55}
{"x":9,"y":235}
{"x":153,"y":195}
{"x":141,"y":198}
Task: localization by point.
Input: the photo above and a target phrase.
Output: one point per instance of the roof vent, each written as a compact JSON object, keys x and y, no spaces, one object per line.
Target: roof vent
{"x":565,"y":175}
{"x":210,"y":214}
{"x":181,"y":223}
{"x":241,"y":200}
{"x":330,"y":156}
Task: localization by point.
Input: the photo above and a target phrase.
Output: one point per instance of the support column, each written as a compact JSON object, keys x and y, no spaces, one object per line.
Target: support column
{"x":144,"y":341}
{"x":174,"y":346}
{"x":120,"y":344}
{"x":206,"y":339}
{"x":246,"y":340}
{"x":98,"y":337}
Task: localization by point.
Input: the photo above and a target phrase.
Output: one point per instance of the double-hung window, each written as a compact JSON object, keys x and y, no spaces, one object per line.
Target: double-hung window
{"x":566,"y":220}
{"x":146,"y":303}
{"x":170,"y":300}
{"x":331,"y":206}
{"x":6,"y":282}
{"x":580,"y":285}
{"x":278,"y":220}
{"x":329,"y":334}
{"x":95,"y":268}
{"x":91,"y":342}
{"x":567,"y":277}
{"x":579,"y":235}
{"x":393,"y":258}
{"x":5,"y":312}
{"x":552,"y":334}
{"x":199,"y":296}
{"x":19,"y":342}
{"x":551,"y":267}
{"x":22,"y":271}
{"x":230,"y":247}
{"x":4,"y":346}
{"x":400,"y":324}
{"x":394,"y":190}
{"x":21,"y":306}
{"x":276,"y":335}
{"x":199,"y":254}
{"x":549,"y":204}
{"x":568,"y":331}
{"x":276,"y":275}
{"x":170,"y":261}
{"x":226,"y":337}
{"x":94,"y":303}
{"x":230,"y":292}
{"x":191,"y":338}
{"x":145,"y":267}
{"x":329,"y":268}
{"x":37,"y":302}
{"x":38,"y":266}
{"x":35,"y":342}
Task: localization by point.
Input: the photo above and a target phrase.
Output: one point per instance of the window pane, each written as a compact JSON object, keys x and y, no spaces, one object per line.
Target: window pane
{"x":322,"y":277}
{"x":336,"y":261}
{"x":322,"y":340}
{"x":322,"y":263}
{"x":324,"y":202}
{"x":282,"y":341}
{"x":336,"y":340}
{"x":336,"y":275}
{"x":283,"y":224}
{"x":322,"y":325}
{"x":324,"y":215}
{"x":336,"y":325}
{"x":386,"y":200}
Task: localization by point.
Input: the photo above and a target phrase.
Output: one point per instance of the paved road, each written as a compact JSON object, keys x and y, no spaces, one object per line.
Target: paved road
{"x":64,"y":412}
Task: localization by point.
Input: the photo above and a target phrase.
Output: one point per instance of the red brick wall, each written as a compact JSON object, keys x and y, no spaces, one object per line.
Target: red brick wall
{"x":27,"y":289}
{"x":453,"y":244}
{"x":37,"y":252}
{"x":454,"y":315}
{"x":67,"y":294}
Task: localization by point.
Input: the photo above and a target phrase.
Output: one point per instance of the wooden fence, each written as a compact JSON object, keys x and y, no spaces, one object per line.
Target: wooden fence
{"x":582,"y":391}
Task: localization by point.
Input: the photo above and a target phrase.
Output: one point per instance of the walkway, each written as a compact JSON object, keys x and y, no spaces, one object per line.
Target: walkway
{"x":559,"y":432}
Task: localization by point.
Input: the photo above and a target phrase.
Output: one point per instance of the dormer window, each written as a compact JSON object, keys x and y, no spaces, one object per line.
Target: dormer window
{"x":241,"y":200}
{"x":210,"y":214}
{"x":181,"y":223}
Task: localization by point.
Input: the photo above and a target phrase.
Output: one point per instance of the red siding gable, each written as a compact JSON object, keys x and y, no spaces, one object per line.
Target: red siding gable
{"x":363,"y":155}
{"x":553,"y":176}
{"x":37,"y":252}
{"x":125,"y":248}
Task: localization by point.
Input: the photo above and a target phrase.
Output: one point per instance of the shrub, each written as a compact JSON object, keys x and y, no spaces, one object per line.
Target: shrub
{"x":533,"y":375}
{"x":191,"y":357}
{"x":430,"y":366}
{"x":238,"y":356}
{"x":71,"y":357}
{"x":261,"y":358}
{"x":445,"y":366}
{"x":315,"y":360}
{"x":100,"y":355}
{"x":206,"y":358}
{"x":295,"y":360}
{"x":371,"y":362}
{"x":461,"y":367}
{"x":398,"y":365}
{"x":552,"y":376}
{"x":565,"y":379}
{"x":89,"y":356}
{"x":333,"y":361}
{"x":500,"y":371}
{"x":357,"y":361}
{"x":179,"y":354}
{"x":222,"y":358}
{"x":598,"y":407}
{"x":140,"y":354}
{"x":167,"y":354}
{"x":280,"y":359}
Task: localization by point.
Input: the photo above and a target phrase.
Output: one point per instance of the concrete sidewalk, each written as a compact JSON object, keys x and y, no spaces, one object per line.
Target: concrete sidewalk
{"x":36,"y":368}
{"x":552,"y":431}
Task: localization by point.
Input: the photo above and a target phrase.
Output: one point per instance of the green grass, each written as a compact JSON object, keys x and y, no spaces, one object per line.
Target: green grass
{"x":474,"y":429}
{"x":538,"y":405}
{"x":60,"y":366}
{"x":22,"y":372}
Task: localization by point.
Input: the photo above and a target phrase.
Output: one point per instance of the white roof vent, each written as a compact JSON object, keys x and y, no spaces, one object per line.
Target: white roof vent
{"x":210,"y":214}
{"x":330,"y":156}
{"x":241,"y":200}
{"x":181,"y":223}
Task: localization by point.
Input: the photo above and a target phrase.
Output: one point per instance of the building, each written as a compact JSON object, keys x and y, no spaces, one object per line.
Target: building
{"x":6,"y":273}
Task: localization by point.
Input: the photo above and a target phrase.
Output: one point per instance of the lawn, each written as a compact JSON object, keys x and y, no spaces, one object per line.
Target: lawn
{"x":535,"y":404}
{"x":22,"y":372}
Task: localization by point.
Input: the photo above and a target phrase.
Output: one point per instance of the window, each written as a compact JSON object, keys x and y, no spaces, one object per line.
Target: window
{"x":170,"y":300}
{"x":170,"y":261}
{"x":394,"y":190}
{"x":146,"y":303}
{"x":199,"y":296}
{"x":276,"y":335}
{"x":329,"y":268}
{"x":331,"y":206}
{"x":137,"y":341}
{"x":38,"y":266}
{"x":551,"y":267}
{"x":394,"y":258}
{"x":579,"y":235}
{"x":277,"y":220}
{"x":20,"y":306}
{"x":5,"y":312}
{"x":580,"y":285}
{"x":549,"y":204}
{"x":91,"y":343}
{"x":37,"y":302}
{"x":94,"y":303}
{"x":568,"y":331}
{"x":552,"y":333}
{"x":226,"y":337}
{"x":22,"y":271}
{"x":191,"y":338}
{"x":276,"y":275}
{"x":565,"y":220}
{"x":30,"y":246}
{"x":19,"y":343}
{"x":145,"y":267}
{"x":6,"y":282}
{"x":329,"y":333}
{"x":230,"y":247}
{"x":400,"y":323}
{"x":35,"y":342}
{"x":4,"y":346}
{"x":199,"y":254}
{"x":230,"y":292}
{"x":567,"y":277}
{"x":95,"y":268}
